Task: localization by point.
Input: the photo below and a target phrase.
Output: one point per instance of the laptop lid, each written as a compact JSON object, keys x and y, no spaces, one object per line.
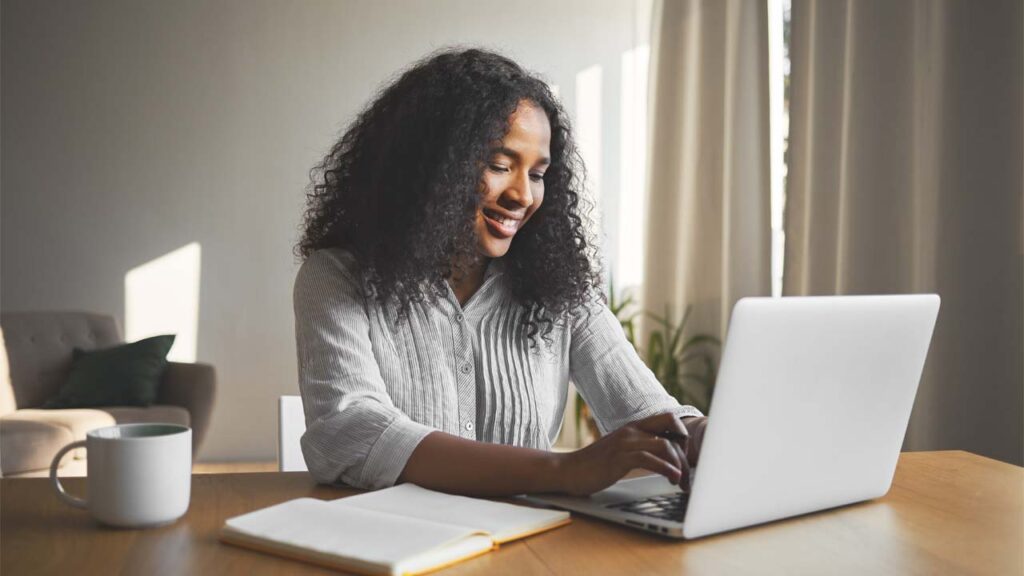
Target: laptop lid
{"x":810,"y":408}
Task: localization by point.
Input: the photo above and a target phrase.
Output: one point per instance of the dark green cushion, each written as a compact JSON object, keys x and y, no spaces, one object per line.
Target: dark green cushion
{"x":125,"y":375}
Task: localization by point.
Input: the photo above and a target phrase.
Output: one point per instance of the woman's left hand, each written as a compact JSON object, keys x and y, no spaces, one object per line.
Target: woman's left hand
{"x":695,"y":426}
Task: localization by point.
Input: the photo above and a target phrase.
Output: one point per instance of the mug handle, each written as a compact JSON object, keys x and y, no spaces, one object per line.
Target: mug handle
{"x":61,"y":492}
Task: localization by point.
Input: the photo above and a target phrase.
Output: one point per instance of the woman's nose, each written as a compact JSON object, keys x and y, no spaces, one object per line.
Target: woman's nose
{"x":520,"y":191}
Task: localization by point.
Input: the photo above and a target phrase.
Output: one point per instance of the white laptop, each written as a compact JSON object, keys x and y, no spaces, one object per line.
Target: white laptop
{"x":809,"y":412}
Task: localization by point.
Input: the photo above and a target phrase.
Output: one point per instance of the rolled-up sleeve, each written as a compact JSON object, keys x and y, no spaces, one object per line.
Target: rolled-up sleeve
{"x":354,"y":432}
{"x":616,"y":384}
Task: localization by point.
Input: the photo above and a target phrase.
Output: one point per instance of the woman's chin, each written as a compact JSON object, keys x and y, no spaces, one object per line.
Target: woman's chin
{"x":494,"y":248}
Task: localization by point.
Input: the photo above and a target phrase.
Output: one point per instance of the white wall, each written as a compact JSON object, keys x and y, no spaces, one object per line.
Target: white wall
{"x":133,"y":128}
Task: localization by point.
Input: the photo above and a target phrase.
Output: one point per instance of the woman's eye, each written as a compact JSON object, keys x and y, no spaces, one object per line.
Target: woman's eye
{"x":499,"y":168}
{"x":537,"y":177}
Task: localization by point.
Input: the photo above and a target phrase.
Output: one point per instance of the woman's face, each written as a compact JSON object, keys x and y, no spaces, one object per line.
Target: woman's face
{"x":513,"y":180}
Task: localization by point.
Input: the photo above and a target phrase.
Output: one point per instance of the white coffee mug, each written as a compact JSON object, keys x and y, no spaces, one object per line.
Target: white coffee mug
{"x":139,"y":475}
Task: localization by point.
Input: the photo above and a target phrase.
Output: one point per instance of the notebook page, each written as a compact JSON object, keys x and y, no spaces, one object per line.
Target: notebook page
{"x":362,"y":540}
{"x":503,"y":521}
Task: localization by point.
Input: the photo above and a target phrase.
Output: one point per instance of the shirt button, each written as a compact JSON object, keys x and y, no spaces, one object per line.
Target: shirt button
{"x":459,"y":317}
{"x":466,"y":368}
{"x":469,"y":425}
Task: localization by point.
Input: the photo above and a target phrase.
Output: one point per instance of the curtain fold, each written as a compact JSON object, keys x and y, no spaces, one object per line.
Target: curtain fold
{"x":905,"y":175}
{"x":709,"y":230}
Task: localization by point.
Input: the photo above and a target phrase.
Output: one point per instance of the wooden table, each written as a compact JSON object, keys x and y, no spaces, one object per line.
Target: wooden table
{"x":948,"y":512}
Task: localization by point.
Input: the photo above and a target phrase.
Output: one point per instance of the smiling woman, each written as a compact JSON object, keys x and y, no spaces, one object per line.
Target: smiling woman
{"x":404,"y":187}
{"x":449,"y":292}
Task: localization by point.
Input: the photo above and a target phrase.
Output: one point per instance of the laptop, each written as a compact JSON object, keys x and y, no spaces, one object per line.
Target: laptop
{"x":809,"y":412}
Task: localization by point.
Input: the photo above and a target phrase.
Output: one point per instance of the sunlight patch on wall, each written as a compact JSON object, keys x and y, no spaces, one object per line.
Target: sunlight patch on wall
{"x":162,"y":297}
{"x":588,"y":137}
{"x":633,"y":197}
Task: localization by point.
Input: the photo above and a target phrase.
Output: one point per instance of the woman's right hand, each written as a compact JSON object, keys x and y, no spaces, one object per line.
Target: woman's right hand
{"x":656,"y":443}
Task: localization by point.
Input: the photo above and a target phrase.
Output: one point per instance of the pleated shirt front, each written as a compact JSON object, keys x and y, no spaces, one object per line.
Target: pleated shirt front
{"x":372,"y":387}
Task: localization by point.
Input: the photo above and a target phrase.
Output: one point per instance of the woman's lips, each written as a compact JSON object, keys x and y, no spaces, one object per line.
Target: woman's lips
{"x":503,"y":228}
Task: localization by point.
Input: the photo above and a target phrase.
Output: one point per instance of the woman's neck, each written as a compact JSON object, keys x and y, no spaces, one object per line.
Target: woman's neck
{"x":466,"y":284}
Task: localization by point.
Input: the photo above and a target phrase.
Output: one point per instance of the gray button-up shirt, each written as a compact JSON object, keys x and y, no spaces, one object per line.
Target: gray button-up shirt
{"x":372,"y":389}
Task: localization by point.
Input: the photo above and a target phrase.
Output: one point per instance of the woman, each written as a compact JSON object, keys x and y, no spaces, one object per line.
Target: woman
{"x":449,"y":293}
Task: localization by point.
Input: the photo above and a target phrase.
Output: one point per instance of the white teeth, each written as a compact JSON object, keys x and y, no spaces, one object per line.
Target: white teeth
{"x":507,"y":222}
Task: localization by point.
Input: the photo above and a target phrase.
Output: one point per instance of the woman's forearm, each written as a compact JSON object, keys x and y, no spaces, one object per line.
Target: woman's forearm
{"x":451,"y":464}
{"x":459,"y":466}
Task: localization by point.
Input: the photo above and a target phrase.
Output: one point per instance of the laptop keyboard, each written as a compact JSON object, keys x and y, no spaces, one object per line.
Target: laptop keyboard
{"x":667,"y":507}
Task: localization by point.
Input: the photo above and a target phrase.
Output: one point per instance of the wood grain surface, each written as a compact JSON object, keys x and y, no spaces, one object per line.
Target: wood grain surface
{"x":947,"y":513}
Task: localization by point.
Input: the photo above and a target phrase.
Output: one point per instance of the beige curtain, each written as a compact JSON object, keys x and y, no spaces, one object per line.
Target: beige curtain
{"x":709,"y":229}
{"x":905,"y":175}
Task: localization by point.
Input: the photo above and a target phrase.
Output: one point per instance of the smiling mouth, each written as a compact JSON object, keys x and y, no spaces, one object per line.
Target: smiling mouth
{"x":500,"y":225}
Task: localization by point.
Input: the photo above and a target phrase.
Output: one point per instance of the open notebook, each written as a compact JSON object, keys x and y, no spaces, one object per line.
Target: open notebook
{"x":401,"y":530}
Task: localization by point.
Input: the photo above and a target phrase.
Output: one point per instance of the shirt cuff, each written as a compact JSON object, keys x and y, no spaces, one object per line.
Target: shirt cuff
{"x":687,"y":411}
{"x":391,"y":451}
{"x":675,"y":408}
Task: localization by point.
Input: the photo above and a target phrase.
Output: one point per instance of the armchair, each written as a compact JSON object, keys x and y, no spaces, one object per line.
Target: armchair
{"x":35,"y":361}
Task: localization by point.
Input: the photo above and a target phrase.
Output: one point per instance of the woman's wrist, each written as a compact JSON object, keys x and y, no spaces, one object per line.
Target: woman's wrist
{"x":570,"y":469}
{"x":554,"y":472}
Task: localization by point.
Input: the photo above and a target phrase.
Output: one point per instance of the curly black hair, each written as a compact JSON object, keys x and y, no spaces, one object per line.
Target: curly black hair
{"x":400,"y":189}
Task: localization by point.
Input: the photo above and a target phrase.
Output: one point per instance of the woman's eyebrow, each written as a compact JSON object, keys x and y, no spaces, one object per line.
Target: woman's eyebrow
{"x":515,"y":155}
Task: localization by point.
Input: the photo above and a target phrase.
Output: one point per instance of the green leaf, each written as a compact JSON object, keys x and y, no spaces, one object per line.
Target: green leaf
{"x":660,"y":320}
{"x":631,"y":334}
{"x":655,"y":351}
{"x":679,"y":330}
{"x":579,"y":413}
{"x":699,"y":339}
